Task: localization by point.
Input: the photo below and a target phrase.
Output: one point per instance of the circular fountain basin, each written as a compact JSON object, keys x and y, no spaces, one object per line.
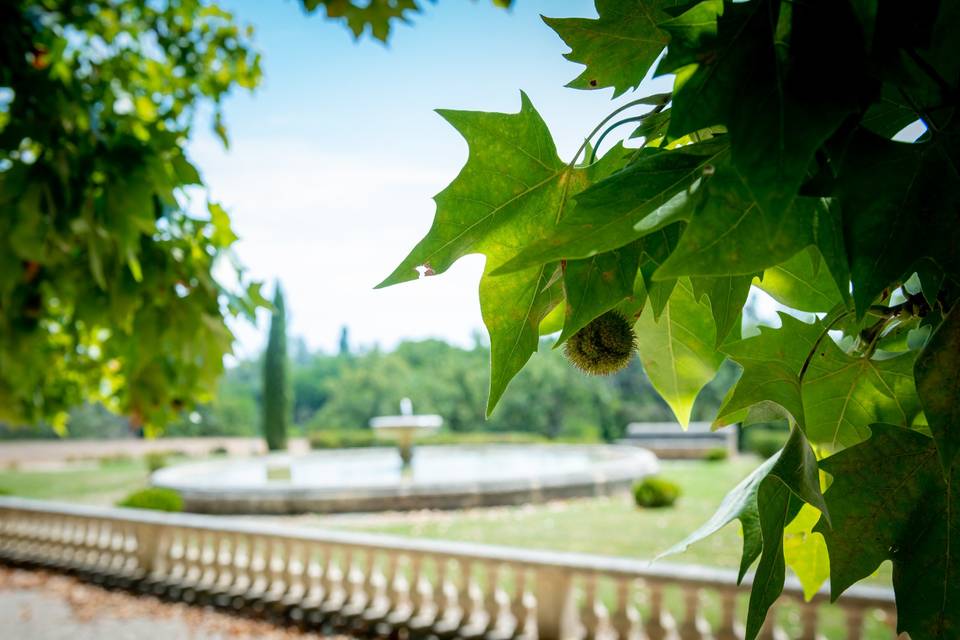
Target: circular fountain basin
{"x":442,"y":477}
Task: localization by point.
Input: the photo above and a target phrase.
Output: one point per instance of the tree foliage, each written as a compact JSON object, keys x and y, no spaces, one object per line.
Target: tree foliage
{"x":275,"y":394}
{"x":808,"y":149}
{"x":107,"y":288}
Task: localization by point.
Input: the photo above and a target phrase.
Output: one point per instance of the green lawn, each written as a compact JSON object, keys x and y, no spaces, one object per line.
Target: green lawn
{"x":89,"y":483}
{"x":609,"y":526}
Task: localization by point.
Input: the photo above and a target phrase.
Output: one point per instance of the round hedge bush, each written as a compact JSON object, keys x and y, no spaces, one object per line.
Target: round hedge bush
{"x":154,"y":498}
{"x":717,"y":454}
{"x":654,"y":492}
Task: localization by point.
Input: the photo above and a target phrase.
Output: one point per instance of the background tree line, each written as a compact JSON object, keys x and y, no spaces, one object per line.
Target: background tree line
{"x":344,"y":390}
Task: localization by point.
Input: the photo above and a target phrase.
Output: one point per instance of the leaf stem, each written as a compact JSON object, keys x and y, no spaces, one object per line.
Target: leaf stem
{"x":615,"y":113}
{"x":593,"y":151}
{"x":816,"y":345}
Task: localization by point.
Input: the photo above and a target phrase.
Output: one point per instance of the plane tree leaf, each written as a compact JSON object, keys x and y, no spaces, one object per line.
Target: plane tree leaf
{"x":842,"y":394}
{"x":877,"y":488}
{"x":893,"y":196}
{"x":677,"y":349}
{"x":805,"y":551}
{"x":769,"y":387}
{"x":938,"y":383}
{"x":654,"y":191}
{"x":618,"y":47}
{"x":803,"y":282}
{"x":596,"y":284}
{"x":726,"y":295}
{"x":512,"y":190}
{"x":765,"y":502}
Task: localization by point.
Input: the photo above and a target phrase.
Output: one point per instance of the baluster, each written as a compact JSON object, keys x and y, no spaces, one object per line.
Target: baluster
{"x":691,"y":627}
{"x":808,"y":617}
{"x":556,"y":607}
{"x":624,"y":616}
{"x":519,"y":608}
{"x":588,"y":611}
{"x":387,"y":594}
{"x":657,"y":626}
{"x":226,"y":572}
{"x":439,"y":593}
{"x":491,"y":600}
{"x":465,"y":600}
{"x":854,"y":622}
{"x":728,"y":616}
{"x":338,"y":581}
{"x":247,"y":573}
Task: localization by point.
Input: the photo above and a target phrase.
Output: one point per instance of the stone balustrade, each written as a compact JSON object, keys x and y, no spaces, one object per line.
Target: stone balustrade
{"x":367,"y":584}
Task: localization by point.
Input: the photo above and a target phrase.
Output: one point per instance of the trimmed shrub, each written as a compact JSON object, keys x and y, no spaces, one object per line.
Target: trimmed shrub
{"x":219,"y":451}
{"x":717,"y":454}
{"x":155,"y":460}
{"x":654,"y":492}
{"x":114,"y":459}
{"x":764,"y":442}
{"x":154,"y":498}
{"x":346,"y":439}
{"x":5,"y":492}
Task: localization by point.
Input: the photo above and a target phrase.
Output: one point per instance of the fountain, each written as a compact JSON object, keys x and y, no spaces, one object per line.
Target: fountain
{"x":404,"y":428}
{"x":442,"y":477}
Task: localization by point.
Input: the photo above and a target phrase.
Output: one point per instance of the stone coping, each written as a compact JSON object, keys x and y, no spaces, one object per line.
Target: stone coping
{"x":617,"y":468}
{"x":11,"y":508}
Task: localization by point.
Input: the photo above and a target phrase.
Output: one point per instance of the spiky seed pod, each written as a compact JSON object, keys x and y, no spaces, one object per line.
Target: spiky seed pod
{"x":603,"y":347}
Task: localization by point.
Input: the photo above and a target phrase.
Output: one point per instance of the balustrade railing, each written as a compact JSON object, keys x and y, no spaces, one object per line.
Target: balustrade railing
{"x":369,"y":584}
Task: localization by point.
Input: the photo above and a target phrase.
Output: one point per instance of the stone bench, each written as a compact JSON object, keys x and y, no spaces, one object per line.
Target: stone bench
{"x":668,"y":440}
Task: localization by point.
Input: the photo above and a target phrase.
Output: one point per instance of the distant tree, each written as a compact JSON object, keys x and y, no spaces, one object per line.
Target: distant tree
{"x":344,"y":341}
{"x":275,"y":403}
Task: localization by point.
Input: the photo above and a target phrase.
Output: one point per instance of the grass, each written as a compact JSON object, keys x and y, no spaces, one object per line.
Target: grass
{"x":98,"y":484}
{"x":609,"y":526}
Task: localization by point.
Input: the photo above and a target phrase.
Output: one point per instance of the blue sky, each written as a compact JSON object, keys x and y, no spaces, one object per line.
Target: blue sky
{"x":335,"y":159}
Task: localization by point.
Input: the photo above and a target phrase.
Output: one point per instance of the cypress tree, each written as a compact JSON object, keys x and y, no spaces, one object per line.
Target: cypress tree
{"x":275,"y":378}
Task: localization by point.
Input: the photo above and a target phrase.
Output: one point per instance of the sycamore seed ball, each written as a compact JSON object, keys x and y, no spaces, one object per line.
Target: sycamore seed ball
{"x":603,"y":347}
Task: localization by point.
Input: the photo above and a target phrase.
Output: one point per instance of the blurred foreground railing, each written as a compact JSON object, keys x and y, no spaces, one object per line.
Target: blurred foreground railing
{"x":386,"y":586}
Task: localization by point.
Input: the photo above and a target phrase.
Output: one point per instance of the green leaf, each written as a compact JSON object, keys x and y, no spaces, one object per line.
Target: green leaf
{"x":727,"y":295}
{"x":938,"y":384}
{"x":842,"y":394}
{"x":764,"y":502}
{"x":648,"y":195}
{"x":766,"y":71}
{"x":597,"y":284}
{"x":731,"y":232}
{"x":806,"y":551}
{"x":891,"y":500}
{"x":894,"y":198}
{"x":777,"y":506}
{"x":513,"y":306}
{"x":740,"y":504}
{"x":677,"y":350}
{"x":802,"y":283}
{"x":512,"y":190}
{"x":656,"y":247}
{"x":769,"y":387}
{"x":619,"y":46}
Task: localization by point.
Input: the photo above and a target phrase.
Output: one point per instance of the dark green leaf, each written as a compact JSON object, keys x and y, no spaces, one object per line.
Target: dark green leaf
{"x":938,"y":383}
{"x":727,"y":295}
{"x":649,"y":194}
{"x":891,"y":500}
{"x":598,"y":284}
{"x":899,"y":203}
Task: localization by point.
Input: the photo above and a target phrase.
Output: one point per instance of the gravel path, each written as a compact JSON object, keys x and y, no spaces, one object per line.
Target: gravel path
{"x":45,"y":606}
